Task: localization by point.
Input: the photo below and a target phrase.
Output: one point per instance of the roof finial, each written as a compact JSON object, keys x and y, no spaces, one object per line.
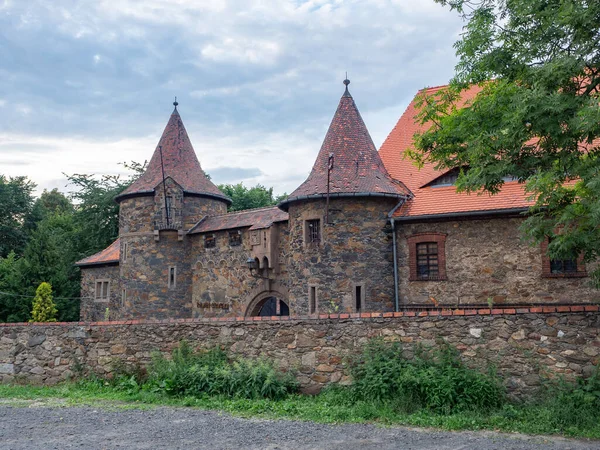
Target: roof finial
{"x":347,"y":82}
{"x":175,"y":103}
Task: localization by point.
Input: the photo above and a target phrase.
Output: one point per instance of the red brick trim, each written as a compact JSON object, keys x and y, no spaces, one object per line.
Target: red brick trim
{"x":554,"y":309}
{"x":440,"y":239}
{"x":546,"y":269}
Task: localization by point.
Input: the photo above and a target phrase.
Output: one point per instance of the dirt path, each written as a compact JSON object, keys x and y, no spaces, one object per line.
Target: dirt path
{"x":37,"y":427}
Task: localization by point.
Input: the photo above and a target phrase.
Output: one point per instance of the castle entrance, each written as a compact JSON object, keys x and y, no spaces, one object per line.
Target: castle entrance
{"x":270,"y":306}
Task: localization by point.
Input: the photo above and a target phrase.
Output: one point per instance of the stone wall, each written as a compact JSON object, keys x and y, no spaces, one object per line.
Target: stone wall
{"x":487,"y":259}
{"x":91,"y":308}
{"x":355,"y":250}
{"x":152,"y":252}
{"x":222,"y":284}
{"x":524,"y":344}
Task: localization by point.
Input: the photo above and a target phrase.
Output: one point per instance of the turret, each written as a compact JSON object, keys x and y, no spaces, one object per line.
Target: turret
{"x":156,"y":211}
{"x":340,"y":251}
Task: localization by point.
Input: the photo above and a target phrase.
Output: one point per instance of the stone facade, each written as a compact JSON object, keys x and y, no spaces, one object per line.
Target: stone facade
{"x":94,"y":307}
{"x":353,"y":257}
{"x":155,"y":248}
{"x":524,"y":345}
{"x":486,"y":262}
{"x":222,"y":283}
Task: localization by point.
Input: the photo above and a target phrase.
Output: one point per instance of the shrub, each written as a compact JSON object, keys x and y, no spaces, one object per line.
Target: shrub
{"x":573,"y":405}
{"x":435,"y":379}
{"x":44,"y":309}
{"x":210,"y":372}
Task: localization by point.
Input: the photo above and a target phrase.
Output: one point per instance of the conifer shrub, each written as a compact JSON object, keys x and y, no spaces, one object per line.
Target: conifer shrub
{"x":434,"y":379}
{"x":44,"y":309}
{"x":211,"y":372}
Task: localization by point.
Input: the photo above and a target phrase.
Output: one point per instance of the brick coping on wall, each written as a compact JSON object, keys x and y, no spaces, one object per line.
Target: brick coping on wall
{"x":341,"y":316}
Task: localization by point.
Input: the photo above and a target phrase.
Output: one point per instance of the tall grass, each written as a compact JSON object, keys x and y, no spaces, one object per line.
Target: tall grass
{"x":210,"y":372}
{"x":434,"y":379}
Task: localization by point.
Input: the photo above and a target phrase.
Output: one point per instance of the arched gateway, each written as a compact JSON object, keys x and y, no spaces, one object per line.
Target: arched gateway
{"x":268,"y":304}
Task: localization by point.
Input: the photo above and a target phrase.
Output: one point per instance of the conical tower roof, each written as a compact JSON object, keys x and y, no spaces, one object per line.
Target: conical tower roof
{"x":180,"y":163}
{"x":348,"y":153}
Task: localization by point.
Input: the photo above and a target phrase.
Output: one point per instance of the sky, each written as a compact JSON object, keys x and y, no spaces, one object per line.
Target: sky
{"x":86,"y":85}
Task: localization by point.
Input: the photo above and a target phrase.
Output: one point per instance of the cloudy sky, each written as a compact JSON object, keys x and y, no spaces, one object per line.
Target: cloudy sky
{"x":87,"y":84}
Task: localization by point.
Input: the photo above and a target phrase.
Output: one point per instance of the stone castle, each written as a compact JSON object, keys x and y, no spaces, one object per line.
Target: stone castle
{"x":366,"y":232}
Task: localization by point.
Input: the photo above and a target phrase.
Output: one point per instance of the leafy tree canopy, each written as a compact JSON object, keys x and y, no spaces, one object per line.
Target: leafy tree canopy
{"x":537,"y":117}
{"x":247,"y":198}
{"x":16,"y":202}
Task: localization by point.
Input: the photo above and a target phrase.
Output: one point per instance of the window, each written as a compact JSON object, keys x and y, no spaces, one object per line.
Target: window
{"x":561,"y":268}
{"x":125,"y":251}
{"x":312,"y":299}
{"x":172,"y":277}
{"x":427,"y":261}
{"x":359,"y":297}
{"x":563,"y":265}
{"x":102,"y":290}
{"x":123,"y":297}
{"x":235,"y":238}
{"x":210,"y":241}
{"x":427,"y":257}
{"x":313,"y":231}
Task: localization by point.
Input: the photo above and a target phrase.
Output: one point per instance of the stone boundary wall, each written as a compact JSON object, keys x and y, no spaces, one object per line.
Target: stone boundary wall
{"x":524,"y":344}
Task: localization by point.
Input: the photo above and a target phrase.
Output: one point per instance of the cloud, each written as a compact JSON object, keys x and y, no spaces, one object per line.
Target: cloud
{"x":233,"y":174}
{"x":257,"y":80}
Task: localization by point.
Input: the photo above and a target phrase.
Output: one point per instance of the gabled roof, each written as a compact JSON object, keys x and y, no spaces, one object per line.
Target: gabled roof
{"x":180,"y":164}
{"x":441,"y":201}
{"x":110,"y":255}
{"x":254,"y":218}
{"x":357,"y":168}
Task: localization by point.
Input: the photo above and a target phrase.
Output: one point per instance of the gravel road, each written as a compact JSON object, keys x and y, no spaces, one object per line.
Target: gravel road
{"x":36,"y":427}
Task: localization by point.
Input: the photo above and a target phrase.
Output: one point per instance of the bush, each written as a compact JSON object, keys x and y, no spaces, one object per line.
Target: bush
{"x":210,"y":372}
{"x":573,"y":405}
{"x":44,"y":309}
{"x":433,"y":379}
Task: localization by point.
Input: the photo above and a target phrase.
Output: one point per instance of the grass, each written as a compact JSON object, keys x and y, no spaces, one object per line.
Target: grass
{"x":331,"y":406}
{"x":433,"y":389}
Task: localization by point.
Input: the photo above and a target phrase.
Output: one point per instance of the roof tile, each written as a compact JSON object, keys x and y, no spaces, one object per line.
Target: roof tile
{"x":109,"y":255}
{"x":180,"y":163}
{"x":254,"y":218}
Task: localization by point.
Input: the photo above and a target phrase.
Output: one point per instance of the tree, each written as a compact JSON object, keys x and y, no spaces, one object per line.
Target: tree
{"x":16,"y":201}
{"x":50,"y":256}
{"x":97,"y":213}
{"x":44,"y":309}
{"x":14,"y":306}
{"x":536,"y":118}
{"x":247,"y":198}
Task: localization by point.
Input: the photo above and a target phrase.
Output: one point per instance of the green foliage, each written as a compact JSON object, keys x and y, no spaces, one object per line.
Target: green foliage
{"x":97,"y":213}
{"x":434,"y":379}
{"x":247,"y":198}
{"x":13,"y":308}
{"x":44,"y":309}
{"x":537,"y":121}
{"x":209,"y":372}
{"x":573,"y":406}
{"x":16,"y":201}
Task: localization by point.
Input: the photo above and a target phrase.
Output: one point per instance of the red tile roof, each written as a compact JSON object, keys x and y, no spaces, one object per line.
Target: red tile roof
{"x":357,"y":167}
{"x":109,"y":255}
{"x":180,"y":163}
{"x":428,"y":201}
{"x":253,"y":218}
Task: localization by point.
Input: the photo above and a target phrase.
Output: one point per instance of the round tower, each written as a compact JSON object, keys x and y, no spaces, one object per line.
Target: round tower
{"x":340,"y":255}
{"x":156,"y":211}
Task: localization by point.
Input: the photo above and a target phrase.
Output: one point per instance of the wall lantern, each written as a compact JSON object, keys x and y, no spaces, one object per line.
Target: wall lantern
{"x":253,"y":267}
